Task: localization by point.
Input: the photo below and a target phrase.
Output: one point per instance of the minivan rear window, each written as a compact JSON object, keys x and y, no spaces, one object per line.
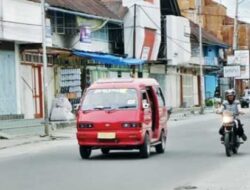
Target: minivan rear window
{"x":100,"y":99}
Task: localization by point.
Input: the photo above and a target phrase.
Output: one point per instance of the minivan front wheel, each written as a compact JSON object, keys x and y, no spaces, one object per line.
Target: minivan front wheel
{"x":85,"y":152}
{"x":145,"y":148}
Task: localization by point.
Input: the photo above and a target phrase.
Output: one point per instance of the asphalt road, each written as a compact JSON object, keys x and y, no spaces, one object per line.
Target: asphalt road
{"x":194,"y":159}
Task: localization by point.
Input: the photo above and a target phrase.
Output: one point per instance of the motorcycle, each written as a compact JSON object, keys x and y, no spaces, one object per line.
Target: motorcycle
{"x":231,"y":139}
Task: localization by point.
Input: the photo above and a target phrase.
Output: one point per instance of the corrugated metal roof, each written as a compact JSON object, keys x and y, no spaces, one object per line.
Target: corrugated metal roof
{"x":170,"y":7}
{"x":116,"y":7}
{"x":92,"y":7}
{"x":207,"y":37}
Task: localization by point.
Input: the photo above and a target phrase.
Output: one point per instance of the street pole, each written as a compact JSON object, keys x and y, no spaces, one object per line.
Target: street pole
{"x":235,"y":37}
{"x":45,"y":81}
{"x":198,"y":4}
{"x":134,"y":40}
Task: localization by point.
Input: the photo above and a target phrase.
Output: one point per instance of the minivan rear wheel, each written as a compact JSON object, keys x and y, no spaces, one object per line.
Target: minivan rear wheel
{"x":105,"y":150}
{"x":160,"y":148}
{"x":85,"y":152}
{"x":145,"y":148}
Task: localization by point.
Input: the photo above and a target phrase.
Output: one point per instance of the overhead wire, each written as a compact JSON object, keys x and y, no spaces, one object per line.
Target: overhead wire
{"x":122,"y":27}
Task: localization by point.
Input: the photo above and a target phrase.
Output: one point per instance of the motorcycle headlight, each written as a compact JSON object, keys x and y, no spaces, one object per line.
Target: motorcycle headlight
{"x":227,"y":119}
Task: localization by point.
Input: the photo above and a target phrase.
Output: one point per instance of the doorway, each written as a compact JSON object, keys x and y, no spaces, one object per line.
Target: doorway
{"x":37,"y":90}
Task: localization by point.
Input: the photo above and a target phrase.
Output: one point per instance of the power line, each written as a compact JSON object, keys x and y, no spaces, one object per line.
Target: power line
{"x":20,"y":23}
{"x":241,"y":2}
{"x":150,"y":18}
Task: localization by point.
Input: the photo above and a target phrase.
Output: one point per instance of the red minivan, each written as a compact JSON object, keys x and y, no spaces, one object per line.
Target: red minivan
{"x":122,"y":114}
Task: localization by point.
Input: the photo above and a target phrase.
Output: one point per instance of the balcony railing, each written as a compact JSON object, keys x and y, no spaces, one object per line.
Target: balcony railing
{"x":207,"y":60}
{"x":211,"y":60}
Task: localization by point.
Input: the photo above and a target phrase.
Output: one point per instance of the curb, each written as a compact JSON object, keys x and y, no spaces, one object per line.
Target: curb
{"x":12,"y":145}
{"x":4,"y":136}
{"x":178,"y":115}
{"x":29,"y":140}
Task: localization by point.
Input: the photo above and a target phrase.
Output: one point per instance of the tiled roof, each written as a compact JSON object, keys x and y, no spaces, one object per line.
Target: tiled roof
{"x":92,"y":7}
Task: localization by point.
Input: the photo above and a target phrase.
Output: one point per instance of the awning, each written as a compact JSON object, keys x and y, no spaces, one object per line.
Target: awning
{"x":104,"y":58}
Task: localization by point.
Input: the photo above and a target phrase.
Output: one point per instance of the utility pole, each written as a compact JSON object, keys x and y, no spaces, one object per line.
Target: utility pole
{"x":198,"y":7}
{"x":235,"y":38}
{"x":45,"y":80}
{"x":134,"y":40}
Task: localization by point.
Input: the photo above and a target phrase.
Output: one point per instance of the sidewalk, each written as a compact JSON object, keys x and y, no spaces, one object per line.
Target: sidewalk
{"x":68,"y":132}
{"x":28,"y":127}
{"x":182,"y":113}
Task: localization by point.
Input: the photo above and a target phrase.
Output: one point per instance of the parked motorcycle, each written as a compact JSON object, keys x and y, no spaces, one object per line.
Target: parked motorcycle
{"x":231,"y":139}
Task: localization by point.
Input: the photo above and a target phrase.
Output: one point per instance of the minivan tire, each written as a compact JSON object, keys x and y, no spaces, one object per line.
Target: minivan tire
{"x":160,"y":148}
{"x":145,"y":148}
{"x":105,"y":150}
{"x":85,"y":152}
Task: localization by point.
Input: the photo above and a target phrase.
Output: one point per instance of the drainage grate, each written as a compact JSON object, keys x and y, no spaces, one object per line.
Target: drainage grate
{"x":189,"y":187}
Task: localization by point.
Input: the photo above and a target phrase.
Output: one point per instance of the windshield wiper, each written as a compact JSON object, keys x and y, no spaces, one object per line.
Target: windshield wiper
{"x":127,"y":106}
{"x":102,"y":107}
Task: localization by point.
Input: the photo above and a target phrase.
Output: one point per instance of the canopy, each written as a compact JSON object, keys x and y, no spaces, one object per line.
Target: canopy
{"x":108,"y":58}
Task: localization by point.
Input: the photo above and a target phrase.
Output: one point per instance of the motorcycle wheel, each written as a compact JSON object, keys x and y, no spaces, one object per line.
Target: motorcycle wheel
{"x":227,"y":144}
{"x":235,"y":150}
{"x":236,"y":145}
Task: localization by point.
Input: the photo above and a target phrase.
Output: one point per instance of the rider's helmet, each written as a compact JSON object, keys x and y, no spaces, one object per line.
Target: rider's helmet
{"x":228,"y":93}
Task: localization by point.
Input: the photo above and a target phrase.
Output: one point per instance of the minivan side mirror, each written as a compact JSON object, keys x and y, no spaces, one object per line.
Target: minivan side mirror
{"x":77,"y":109}
{"x":145,"y":105}
{"x":170,"y":110}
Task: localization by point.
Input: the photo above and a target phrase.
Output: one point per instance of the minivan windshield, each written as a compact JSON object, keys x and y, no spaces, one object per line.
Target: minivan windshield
{"x":100,"y":99}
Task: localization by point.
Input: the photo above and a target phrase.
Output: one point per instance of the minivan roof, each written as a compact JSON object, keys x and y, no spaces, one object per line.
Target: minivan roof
{"x":123,"y":82}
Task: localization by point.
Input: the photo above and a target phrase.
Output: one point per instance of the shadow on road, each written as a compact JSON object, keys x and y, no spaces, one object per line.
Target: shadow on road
{"x":120,"y":156}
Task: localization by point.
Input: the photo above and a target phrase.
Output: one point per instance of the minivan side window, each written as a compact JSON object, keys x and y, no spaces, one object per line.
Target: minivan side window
{"x":145,"y":97}
{"x":160,"y":97}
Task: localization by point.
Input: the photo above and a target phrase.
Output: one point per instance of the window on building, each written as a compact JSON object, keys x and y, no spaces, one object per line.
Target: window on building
{"x":70,"y":24}
{"x":31,"y":58}
{"x":101,"y":35}
{"x":60,"y":23}
{"x":63,"y":23}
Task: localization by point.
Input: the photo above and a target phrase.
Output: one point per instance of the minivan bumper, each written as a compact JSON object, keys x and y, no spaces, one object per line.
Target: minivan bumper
{"x":123,"y":139}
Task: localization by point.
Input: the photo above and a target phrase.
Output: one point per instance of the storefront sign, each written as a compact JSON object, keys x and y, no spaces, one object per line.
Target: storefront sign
{"x":243,"y":58}
{"x":231,"y":71}
{"x":85,"y":34}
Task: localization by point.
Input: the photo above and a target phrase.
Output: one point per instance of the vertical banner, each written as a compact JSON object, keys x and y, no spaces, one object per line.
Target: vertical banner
{"x":48,"y":33}
{"x":145,"y":53}
{"x":242,"y":57}
{"x":85,"y":34}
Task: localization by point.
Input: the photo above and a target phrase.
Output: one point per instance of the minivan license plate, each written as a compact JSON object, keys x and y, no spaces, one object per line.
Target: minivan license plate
{"x":106,"y":135}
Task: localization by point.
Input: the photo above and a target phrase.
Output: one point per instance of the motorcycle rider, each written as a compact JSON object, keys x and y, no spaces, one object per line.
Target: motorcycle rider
{"x":232,"y":105}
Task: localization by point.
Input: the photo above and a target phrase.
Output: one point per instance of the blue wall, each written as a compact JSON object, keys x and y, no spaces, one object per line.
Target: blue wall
{"x":210,"y":85}
{"x":8,"y":102}
{"x":210,"y":53}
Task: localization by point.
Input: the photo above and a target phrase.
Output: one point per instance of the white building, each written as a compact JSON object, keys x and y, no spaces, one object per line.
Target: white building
{"x":182,"y":85}
{"x":18,"y":80}
{"x":144,"y":20}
